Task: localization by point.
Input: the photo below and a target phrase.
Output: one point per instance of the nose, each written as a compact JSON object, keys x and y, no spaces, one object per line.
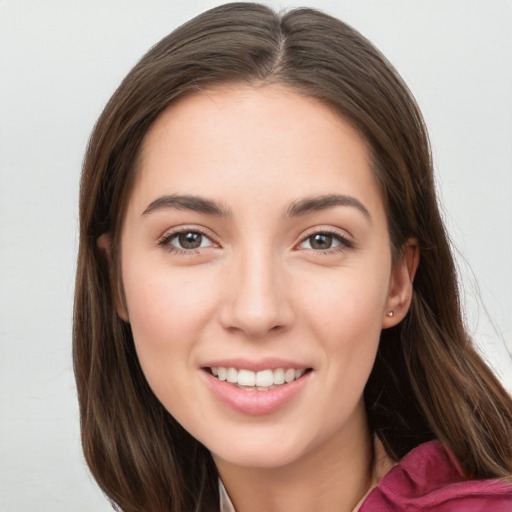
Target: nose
{"x":256,"y":299}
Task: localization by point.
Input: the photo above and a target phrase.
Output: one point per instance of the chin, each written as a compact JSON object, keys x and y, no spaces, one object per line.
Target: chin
{"x":258,"y":457}
{"x":263,"y":450}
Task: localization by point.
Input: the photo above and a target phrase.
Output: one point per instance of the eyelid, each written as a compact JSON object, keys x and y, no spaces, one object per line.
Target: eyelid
{"x":169,"y":234}
{"x":345,"y":241}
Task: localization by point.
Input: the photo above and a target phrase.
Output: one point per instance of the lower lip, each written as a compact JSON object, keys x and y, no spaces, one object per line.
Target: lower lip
{"x":254,"y":402}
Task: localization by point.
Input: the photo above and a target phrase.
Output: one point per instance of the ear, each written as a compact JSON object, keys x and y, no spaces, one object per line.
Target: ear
{"x":400,"y":286}
{"x":104,"y":244}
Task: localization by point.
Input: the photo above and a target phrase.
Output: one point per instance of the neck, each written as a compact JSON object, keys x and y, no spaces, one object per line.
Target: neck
{"x":331,"y":477}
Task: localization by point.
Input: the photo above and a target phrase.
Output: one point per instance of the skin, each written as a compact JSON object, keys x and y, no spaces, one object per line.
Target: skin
{"x":258,"y":287}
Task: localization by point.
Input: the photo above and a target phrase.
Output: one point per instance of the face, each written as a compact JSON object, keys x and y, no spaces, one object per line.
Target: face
{"x":257,"y":272}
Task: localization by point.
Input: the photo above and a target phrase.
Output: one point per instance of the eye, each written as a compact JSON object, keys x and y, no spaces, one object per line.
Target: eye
{"x":325,"y":241}
{"x":188,"y":240}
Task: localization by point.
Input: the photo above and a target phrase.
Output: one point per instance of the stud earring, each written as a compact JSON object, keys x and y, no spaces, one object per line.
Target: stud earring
{"x":390,"y":313}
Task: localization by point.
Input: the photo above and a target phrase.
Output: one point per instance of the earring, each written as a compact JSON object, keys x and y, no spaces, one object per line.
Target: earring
{"x":390,"y":313}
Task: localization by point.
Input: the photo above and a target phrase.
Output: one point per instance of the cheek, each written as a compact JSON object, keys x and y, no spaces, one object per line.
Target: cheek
{"x":345,"y":312}
{"x":347,"y":300}
{"x":167,"y":312}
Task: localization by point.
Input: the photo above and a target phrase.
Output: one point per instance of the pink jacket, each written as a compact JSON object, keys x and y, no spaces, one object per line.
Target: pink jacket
{"x":429,"y":478}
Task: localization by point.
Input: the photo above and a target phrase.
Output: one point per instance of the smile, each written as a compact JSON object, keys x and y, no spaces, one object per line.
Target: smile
{"x":263,"y":380}
{"x":263,"y":390}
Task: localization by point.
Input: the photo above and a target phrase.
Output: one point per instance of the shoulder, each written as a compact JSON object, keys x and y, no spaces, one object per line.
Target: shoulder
{"x":429,"y":478}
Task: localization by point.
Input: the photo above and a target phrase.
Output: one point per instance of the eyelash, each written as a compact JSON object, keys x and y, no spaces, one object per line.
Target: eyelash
{"x":344,"y":243}
{"x":165,"y":241}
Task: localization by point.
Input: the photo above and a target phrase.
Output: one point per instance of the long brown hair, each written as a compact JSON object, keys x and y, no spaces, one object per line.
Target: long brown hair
{"x":427,"y":383}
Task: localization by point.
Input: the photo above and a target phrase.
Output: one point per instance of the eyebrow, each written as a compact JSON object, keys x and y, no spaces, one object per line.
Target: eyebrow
{"x":188,"y":202}
{"x":295,"y":209}
{"x":316,"y":203}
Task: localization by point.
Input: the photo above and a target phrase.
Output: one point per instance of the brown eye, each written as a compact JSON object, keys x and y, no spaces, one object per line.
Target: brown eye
{"x":325,"y":242}
{"x":186,"y":241}
{"x":321,"y":241}
{"x":191,"y":240}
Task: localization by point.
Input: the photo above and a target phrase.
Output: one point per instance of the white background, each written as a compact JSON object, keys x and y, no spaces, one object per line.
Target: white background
{"x":59,"y":63}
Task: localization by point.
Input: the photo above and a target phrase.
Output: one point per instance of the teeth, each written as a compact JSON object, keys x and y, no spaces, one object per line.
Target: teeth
{"x":278,"y":376}
{"x":262,"y":380}
{"x":232,"y":375}
{"x":246,"y":378}
{"x":289,"y":375}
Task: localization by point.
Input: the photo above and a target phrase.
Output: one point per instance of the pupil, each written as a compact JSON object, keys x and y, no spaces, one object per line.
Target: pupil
{"x":320,"y":241}
{"x":190,"y":240}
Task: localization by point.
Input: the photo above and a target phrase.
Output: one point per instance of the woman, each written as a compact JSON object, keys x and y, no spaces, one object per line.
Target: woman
{"x":257,"y":201}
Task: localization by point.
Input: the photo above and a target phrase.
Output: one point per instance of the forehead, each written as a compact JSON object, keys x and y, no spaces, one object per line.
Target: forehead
{"x":276,"y":110}
{"x":256,"y":137}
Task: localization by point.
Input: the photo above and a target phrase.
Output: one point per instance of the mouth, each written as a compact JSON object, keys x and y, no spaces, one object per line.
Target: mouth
{"x":263,"y":380}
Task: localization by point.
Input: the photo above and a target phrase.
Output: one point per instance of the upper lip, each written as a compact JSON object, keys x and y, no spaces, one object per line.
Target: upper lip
{"x":268,"y":363}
